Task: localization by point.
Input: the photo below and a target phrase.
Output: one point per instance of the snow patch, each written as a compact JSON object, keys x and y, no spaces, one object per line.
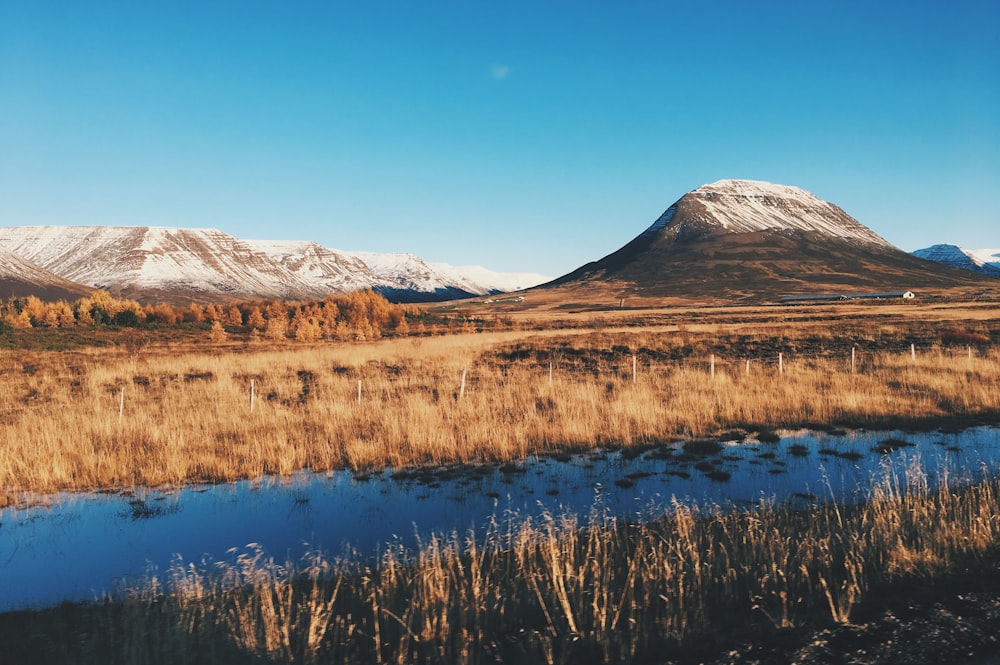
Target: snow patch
{"x":745,"y":206}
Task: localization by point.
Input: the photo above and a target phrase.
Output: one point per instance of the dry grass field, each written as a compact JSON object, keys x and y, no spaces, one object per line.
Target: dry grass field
{"x":170,"y":413}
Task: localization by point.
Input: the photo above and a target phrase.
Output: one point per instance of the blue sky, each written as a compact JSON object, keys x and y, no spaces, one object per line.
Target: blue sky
{"x":515,"y":135}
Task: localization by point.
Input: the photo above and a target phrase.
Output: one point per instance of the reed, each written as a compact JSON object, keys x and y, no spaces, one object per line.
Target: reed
{"x":559,"y":589}
{"x":99,"y":419}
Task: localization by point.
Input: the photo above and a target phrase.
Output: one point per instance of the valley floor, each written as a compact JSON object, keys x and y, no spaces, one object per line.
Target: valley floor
{"x":908,"y":581}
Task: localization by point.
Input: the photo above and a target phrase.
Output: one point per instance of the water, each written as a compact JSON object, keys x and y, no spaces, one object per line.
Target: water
{"x":78,"y":546}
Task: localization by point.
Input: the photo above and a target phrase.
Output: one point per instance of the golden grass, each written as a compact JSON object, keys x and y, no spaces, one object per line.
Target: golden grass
{"x":559,"y":589}
{"x":97,"y":419}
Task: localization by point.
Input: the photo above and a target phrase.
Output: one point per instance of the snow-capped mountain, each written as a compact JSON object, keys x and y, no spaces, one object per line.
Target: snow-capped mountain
{"x":744,"y":239}
{"x":746,"y":206}
{"x":325,"y":270}
{"x":983,"y":261}
{"x":398,"y":275}
{"x":155,"y":259}
{"x":403,"y":276}
{"x":501,"y":282}
{"x":405,"y":271}
{"x":174,"y":264}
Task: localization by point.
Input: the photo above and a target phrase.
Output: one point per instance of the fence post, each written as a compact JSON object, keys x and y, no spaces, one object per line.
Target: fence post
{"x":634,"y":379}
{"x":359,"y":391}
{"x":251,"y":395}
{"x":913,"y":352}
{"x":748,"y":367}
{"x":121,"y":404}
{"x":781,"y":364}
{"x":461,"y":390}
{"x":853,"y":349}
{"x":550,"y":374}
{"x":712,"y":365}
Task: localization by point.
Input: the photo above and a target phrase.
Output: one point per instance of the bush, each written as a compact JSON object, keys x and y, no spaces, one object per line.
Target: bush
{"x":100,"y":315}
{"x":125,"y":318}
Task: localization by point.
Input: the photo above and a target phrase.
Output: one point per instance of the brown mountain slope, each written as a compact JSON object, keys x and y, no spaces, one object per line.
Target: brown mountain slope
{"x":743,"y":240}
{"x":19,"y":278}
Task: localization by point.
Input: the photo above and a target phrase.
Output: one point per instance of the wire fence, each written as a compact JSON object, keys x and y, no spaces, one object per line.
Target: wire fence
{"x":624,"y":367}
{"x":855,"y":358}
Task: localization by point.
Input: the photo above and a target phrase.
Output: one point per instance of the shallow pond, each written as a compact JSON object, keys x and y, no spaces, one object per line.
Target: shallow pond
{"x":75,"y":546}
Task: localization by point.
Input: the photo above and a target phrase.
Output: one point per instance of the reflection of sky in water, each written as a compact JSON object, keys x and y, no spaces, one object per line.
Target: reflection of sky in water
{"x":78,"y":545}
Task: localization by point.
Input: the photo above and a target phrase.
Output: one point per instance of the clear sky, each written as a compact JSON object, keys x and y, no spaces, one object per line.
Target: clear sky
{"x":534,"y":135}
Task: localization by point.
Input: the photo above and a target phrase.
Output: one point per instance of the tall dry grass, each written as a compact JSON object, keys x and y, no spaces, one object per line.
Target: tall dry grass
{"x":559,"y":589}
{"x":98,"y":419}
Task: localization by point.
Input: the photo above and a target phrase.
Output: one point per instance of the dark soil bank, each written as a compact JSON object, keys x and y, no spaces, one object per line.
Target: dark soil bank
{"x":955,"y":619}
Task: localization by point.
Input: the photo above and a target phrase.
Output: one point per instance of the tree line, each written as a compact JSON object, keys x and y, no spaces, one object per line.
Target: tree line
{"x":353,"y":316}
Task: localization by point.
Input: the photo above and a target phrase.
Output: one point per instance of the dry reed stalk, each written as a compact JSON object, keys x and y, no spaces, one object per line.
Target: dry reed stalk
{"x":556,"y":589}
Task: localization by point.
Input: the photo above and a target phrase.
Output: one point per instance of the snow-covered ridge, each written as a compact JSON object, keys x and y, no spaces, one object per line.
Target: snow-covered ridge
{"x":404,"y":270}
{"x":495,"y":281}
{"x":327,"y":270}
{"x":165,"y":259}
{"x":207,"y":262}
{"x":745,"y":206}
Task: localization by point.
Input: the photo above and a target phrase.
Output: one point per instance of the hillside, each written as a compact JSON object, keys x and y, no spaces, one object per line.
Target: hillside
{"x":19,"y":277}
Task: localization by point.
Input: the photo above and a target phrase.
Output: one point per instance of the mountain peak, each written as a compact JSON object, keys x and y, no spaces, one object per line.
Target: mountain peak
{"x":749,"y":206}
{"x":755,"y":188}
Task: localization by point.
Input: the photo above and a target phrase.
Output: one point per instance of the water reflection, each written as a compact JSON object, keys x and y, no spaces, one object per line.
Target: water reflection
{"x":75,"y":545}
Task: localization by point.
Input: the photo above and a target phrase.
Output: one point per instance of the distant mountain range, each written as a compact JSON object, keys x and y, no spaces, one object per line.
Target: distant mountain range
{"x":180,"y":265}
{"x":749,"y":240}
{"x":733,"y":240}
{"x":983,"y":261}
